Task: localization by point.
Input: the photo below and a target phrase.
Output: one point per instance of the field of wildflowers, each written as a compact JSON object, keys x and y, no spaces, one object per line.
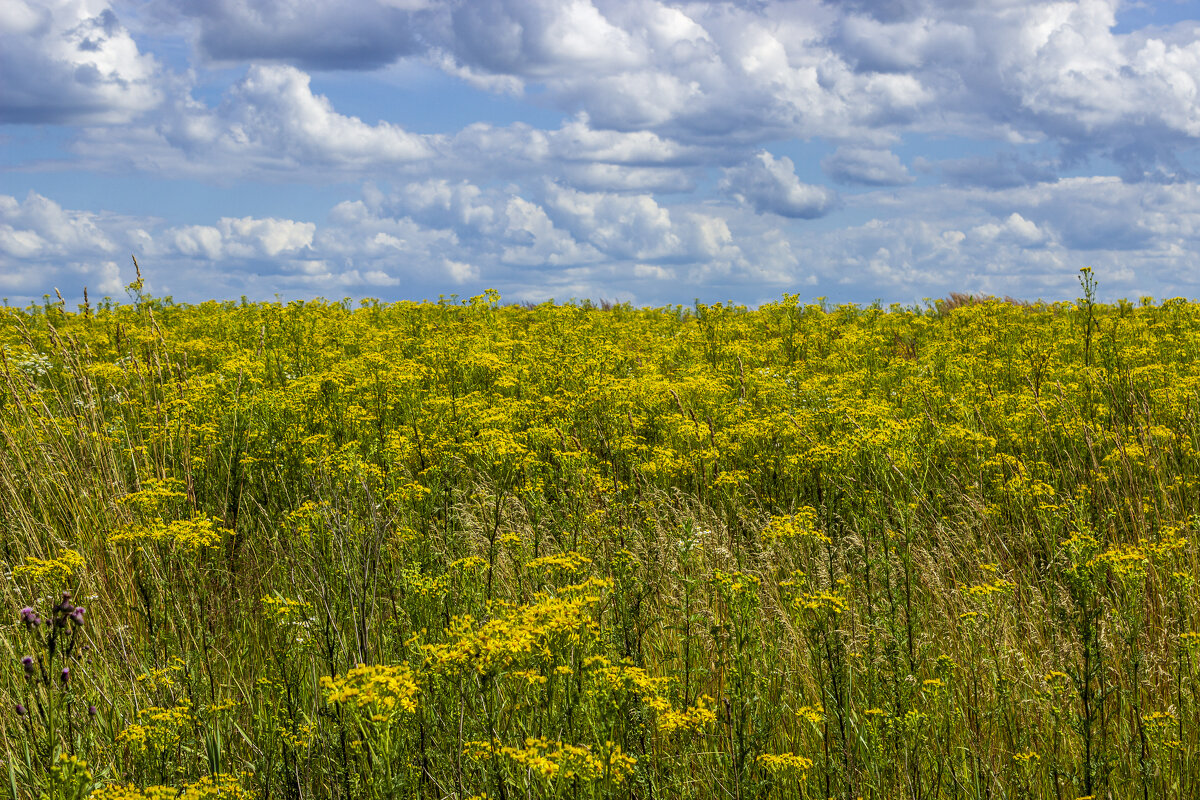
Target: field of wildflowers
{"x":463,"y":549}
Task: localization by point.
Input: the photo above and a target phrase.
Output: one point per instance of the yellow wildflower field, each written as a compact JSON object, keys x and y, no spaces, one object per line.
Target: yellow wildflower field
{"x":467,"y":549}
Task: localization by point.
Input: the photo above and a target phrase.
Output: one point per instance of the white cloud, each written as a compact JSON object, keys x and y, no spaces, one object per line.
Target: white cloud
{"x":659,"y":100}
{"x":442,"y":204}
{"x":1023,"y":241}
{"x":71,"y":61}
{"x":576,"y":140}
{"x":246,"y":237}
{"x":620,"y":178}
{"x":757,"y":72}
{"x":270,"y":122}
{"x":43,"y":245}
{"x":1015,"y":228}
{"x":460,"y":272}
{"x":539,"y":37}
{"x":770,"y":185}
{"x":653,"y":272}
{"x":617,"y":225}
{"x":40,"y":228}
{"x":332,"y":34}
{"x":202,"y":241}
{"x":274,"y":109}
{"x":533,"y":240}
{"x":866,"y":166}
{"x":903,"y":45}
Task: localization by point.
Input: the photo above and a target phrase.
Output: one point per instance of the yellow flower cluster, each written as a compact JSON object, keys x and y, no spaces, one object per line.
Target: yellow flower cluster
{"x":156,"y":679}
{"x":814,"y":715}
{"x":736,"y":585}
{"x":422,"y":584}
{"x":1162,"y":730}
{"x":776,"y":763}
{"x":189,"y":535}
{"x":285,"y":609}
{"x":68,"y":778}
{"x":689,"y":720}
{"x":820,"y":604}
{"x":800,"y":525}
{"x":557,"y":760}
{"x":222,"y":787}
{"x":518,"y":633}
{"x":985,"y":590}
{"x":383,"y":692}
{"x":155,"y":496}
{"x":50,"y":572}
{"x":157,"y":730}
{"x":568,"y":563}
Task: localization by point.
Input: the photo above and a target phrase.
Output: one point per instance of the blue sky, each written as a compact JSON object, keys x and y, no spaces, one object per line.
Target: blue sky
{"x":654,"y":152}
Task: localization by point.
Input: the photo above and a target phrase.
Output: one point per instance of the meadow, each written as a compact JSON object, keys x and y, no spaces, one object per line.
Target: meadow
{"x":462,"y":549}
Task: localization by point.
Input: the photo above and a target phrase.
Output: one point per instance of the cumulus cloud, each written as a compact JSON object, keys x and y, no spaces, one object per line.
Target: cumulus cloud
{"x":271,"y":124}
{"x":754,"y":72}
{"x":634,"y":227}
{"x":770,"y":185}
{"x":999,"y":171}
{"x":39,"y":228}
{"x":651,"y":85}
{"x":273,"y":110}
{"x":268,"y":122}
{"x":902,"y":45}
{"x":1015,"y":228}
{"x":246,"y":237}
{"x":71,"y":61}
{"x":866,"y":166}
{"x":422,"y":238}
{"x":343,"y":34}
{"x":43,"y":246}
{"x":660,"y":171}
{"x":539,"y":37}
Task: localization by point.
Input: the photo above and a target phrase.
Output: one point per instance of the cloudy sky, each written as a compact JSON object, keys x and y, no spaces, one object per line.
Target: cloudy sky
{"x":655,"y":152}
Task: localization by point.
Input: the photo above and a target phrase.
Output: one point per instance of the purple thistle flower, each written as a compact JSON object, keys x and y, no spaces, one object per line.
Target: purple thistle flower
{"x":65,"y":675}
{"x":66,"y":606}
{"x":77,"y":615}
{"x":20,"y":710}
{"x":92,"y":712}
{"x":27,"y":662}
{"x":30,"y":617}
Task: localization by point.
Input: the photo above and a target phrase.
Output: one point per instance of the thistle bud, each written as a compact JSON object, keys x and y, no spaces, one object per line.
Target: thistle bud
{"x":27,"y":662}
{"x":65,"y":675}
{"x":30,"y":617}
{"x":20,"y":710}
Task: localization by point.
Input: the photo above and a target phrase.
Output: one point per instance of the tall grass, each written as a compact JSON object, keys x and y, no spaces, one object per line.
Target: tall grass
{"x":461,"y":549}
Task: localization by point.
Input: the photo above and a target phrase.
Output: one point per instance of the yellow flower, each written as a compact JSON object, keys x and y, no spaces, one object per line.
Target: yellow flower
{"x":784,"y":762}
{"x":52,"y":572}
{"x":382,"y":692}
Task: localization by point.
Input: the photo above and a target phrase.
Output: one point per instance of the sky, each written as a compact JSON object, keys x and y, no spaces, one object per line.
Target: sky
{"x":655,"y":153}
